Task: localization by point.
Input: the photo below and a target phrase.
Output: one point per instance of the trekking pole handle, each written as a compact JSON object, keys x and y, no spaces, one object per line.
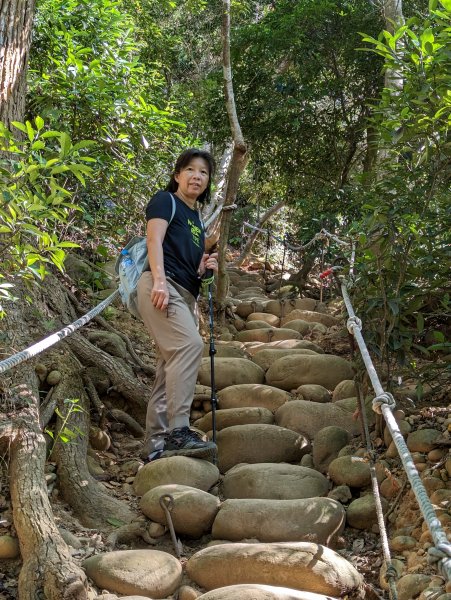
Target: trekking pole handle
{"x":208,"y":274}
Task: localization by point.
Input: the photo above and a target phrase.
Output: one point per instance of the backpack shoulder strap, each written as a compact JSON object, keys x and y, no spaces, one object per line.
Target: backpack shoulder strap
{"x":173,"y":208}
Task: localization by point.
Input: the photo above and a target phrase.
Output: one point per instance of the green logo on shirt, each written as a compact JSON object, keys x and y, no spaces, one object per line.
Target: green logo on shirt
{"x":195,"y":232}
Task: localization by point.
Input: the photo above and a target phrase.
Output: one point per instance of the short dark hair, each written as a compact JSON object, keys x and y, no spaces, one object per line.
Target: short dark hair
{"x":182,"y":161}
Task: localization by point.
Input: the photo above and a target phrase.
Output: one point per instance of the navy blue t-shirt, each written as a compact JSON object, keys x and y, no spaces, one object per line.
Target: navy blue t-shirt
{"x":184,"y":242}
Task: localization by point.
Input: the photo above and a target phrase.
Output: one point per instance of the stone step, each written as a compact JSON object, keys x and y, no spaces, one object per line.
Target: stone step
{"x":302,"y":566}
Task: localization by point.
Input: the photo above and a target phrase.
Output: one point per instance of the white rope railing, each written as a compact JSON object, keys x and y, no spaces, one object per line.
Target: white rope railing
{"x":383,"y":404}
{"x":20,"y":357}
{"x":321,"y":235}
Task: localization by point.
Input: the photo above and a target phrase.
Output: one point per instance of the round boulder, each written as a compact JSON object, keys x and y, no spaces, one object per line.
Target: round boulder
{"x":309,"y":417}
{"x":250,"y":591}
{"x":267,"y":335}
{"x":228,"y":417}
{"x":244,"y":309}
{"x":299,"y":325}
{"x":230,"y":371}
{"x":9,"y":547}
{"x":254,"y":347}
{"x":345,"y":389}
{"x":225,"y":351}
{"x":258,"y":325}
{"x":289,"y":372}
{"x":258,"y":443}
{"x":314,"y":519}
{"x":327,"y":444}
{"x":265,"y":358}
{"x":251,"y":394}
{"x":361,"y":513}
{"x":301,"y":566}
{"x":268,"y":318}
{"x":350,"y":470}
{"x":423,"y":440}
{"x":193,"y":510}
{"x":196,"y":473}
{"x":274,"y":481}
{"x":148,"y":573}
{"x":311,"y":317}
{"x":314,"y":393}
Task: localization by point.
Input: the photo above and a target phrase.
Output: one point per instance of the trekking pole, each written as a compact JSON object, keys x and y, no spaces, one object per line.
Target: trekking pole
{"x":208,"y":280}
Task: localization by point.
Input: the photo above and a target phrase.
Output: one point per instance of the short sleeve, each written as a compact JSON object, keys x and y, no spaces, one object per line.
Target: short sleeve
{"x":160,"y":207}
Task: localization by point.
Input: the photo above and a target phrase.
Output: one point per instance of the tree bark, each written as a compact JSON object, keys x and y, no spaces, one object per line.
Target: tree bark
{"x":47,"y":563}
{"x":250,"y":242}
{"x":124,"y":381}
{"x":16,"y":19}
{"x":93,"y":506}
{"x":47,"y":570}
{"x":394,"y":18}
{"x":213,"y":211}
{"x":238,"y":162}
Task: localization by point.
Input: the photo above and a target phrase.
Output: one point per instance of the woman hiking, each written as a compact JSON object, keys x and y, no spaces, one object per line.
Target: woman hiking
{"x":167,"y":303}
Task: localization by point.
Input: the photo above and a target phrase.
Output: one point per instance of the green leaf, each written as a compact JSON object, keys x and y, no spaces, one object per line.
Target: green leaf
{"x":115,"y":522}
{"x":438,"y":336}
{"x":38,"y":145}
{"x":102,"y":250}
{"x":30,"y":131}
{"x":84,"y":144}
{"x":420,"y":323}
{"x":39,"y":121}
{"x":19,"y":126}
{"x":50,"y":134}
{"x":68,"y":245}
{"x":65,"y":145}
{"x":60,"y":169}
{"x":51,"y":162}
{"x":394,"y":306}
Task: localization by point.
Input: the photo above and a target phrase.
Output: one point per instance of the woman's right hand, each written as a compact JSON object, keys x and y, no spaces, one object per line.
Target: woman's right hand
{"x":159,"y":295}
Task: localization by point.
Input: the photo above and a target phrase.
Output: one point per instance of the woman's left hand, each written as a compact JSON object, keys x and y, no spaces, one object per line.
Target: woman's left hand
{"x":209,"y":261}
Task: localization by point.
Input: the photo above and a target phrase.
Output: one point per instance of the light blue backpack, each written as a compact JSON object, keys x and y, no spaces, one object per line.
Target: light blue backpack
{"x":130,"y":265}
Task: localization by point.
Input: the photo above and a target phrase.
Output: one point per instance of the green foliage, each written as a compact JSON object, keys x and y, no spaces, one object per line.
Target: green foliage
{"x":416,"y":117}
{"x":65,"y":434}
{"x":86,"y":77}
{"x":302,"y":89}
{"x":404,"y":260}
{"x":40,"y":171}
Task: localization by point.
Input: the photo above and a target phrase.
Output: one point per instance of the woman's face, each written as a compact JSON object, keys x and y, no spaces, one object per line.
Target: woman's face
{"x":193,"y":179}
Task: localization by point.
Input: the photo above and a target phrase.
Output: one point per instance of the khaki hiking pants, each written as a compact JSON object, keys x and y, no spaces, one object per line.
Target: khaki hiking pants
{"x":179,"y":353}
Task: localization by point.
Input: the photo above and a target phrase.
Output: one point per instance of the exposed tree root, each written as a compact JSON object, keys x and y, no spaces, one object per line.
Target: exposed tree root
{"x":93,"y":506}
{"x":124,"y":382}
{"x":122,"y":417}
{"x":48,"y":570}
{"x":148,"y":369}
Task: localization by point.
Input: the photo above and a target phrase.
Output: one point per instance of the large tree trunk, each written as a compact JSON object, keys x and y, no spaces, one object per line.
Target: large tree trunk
{"x":394,"y":18}
{"x":250,"y":242}
{"x":16,"y":19}
{"x":238,"y":162}
{"x":214,"y":209}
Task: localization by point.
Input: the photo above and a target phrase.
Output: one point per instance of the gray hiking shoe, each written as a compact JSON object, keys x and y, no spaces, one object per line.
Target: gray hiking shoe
{"x":185,"y":442}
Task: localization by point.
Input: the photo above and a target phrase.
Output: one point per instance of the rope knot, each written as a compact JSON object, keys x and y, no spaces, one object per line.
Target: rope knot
{"x":439,"y":552}
{"x":390,"y":573}
{"x":384,"y":398}
{"x":229,"y":207}
{"x":353,"y":322}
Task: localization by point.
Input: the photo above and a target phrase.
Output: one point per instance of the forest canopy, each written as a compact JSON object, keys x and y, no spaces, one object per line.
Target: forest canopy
{"x":115,"y":90}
